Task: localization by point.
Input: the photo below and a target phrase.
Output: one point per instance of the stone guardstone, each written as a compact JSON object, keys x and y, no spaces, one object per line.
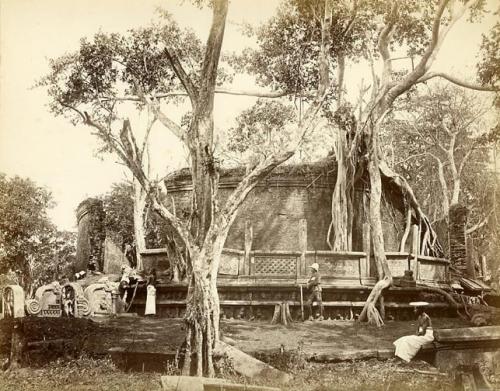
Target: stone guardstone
{"x":73,"y":299}
{"x":13,"y":302}
{"x":100,"y":299}
{"x":49,"y":298}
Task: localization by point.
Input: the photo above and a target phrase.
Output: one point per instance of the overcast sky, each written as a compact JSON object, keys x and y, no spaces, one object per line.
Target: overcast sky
{"x":55,"y":154}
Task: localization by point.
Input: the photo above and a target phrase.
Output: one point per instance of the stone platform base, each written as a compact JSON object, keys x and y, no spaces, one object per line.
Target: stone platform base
{"x":254,"y":300}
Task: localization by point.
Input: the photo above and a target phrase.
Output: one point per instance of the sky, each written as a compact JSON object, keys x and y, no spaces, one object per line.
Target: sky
{"x":60,"y":156}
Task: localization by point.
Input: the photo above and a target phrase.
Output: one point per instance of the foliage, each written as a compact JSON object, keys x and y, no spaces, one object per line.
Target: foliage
{"x":489,"y":64}
{"x":113,"y":64}
{"x":119,"y":221}
{"x":119,"y":207}
{"x":30,"y":245}
{"x":261,"y":130}
{"x":289,"y":43}
{"x":443,"y":125}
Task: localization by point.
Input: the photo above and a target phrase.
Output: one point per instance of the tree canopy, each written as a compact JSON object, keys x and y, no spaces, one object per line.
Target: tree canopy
{"x":30,"y":244}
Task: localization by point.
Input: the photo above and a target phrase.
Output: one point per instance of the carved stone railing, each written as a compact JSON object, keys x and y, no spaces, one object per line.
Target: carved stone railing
{"x":353,"y":266}
{"x":424,"y":268}
{"x":338,"y":266}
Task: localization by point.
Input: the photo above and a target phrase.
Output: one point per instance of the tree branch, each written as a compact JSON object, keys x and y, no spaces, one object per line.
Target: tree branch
{"x":482,"y":223}
{"x":188,"y":85}
{"x":423,"y":63}
{"x":352,"y":19}
{"x":212,"y":54}
{"x":384,"y":40}
{"x":457,"y":81}
{"x":218,"y":90}
{"x":167,"y":122}
{"x":146,"y":136}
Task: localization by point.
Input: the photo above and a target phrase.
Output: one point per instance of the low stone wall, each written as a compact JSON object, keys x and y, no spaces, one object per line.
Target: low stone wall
{"x":424,"y":268}
{"x":335,"y":267}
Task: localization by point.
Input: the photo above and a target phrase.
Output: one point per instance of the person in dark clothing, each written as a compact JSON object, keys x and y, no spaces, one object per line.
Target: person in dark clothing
{"x":131,"y":255}
{"x":314,"y":286}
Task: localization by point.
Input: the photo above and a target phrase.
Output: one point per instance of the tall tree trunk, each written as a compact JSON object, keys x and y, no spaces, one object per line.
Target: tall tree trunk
{"x":341,"y":209}
{"x":384,"y":274}
{"x":139,"y":221}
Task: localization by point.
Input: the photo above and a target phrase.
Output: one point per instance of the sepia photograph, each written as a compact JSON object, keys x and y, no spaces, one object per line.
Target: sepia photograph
{"x":265,"y":195}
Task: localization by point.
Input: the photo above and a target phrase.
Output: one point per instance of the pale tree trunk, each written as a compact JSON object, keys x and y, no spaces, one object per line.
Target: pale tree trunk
{"x":445,"y":203}
{"x":385,"y":95}
{"x":384,"y":274}
{"x":454,"y":171}
{"x":139,"y":221}
{"x":340,"y":226}
{"x":202,"y":306}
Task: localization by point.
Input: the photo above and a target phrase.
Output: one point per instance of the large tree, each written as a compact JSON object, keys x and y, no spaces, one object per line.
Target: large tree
{"x":287,"y":60}
{"x":147,"y":67}
{"x":446,"y":137}
{"x":30,"y":245}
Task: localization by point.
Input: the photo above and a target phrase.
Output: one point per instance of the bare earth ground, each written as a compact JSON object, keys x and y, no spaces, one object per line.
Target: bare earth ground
{"x":275,"y":341}
{"x":322,"y":336}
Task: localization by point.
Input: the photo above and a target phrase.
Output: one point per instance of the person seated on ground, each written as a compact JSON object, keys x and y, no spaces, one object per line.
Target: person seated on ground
{"x":124,"y":282}
{"x":68,"y":301}
{"x":314,"y":286}
{"x":129,"y":279}
{"x":93,"y":266}
{"x":407,"y":347}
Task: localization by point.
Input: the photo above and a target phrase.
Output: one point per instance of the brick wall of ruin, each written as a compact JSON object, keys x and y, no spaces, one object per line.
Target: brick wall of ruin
{"x":275,"y":208}
{"x":456,"y":237}
{"x":91,"y":233}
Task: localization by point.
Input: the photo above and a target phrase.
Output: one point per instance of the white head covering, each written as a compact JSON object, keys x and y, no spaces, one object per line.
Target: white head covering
{"x":419,"y":303}
{"x":314,"y":266}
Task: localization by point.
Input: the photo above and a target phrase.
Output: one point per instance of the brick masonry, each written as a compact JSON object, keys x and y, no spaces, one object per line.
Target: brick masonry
{"x":456,"y":237}
{"x":276,"y":206}
{"x":91,"y":234}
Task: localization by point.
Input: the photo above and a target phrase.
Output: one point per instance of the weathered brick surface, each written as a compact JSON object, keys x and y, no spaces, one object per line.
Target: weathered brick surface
{"x":276,"y":206}
{"x":456,"y":237}
{"x":90,"y":218}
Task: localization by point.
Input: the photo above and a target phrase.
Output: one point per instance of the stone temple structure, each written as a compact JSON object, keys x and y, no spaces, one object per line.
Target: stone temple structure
{"x":281,"y":229}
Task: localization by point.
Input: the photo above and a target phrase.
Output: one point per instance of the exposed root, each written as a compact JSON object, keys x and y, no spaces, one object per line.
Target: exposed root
{"x":374,"y":316}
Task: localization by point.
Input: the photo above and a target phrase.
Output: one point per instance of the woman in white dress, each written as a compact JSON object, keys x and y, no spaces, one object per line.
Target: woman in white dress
{"x":407,"y":347}
{"x":151,"y":294}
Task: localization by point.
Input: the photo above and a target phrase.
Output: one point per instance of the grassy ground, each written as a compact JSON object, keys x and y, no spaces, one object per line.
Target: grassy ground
{"x":78,"y":375}
{"x":88,"y":374}
{"x":157,"y":335}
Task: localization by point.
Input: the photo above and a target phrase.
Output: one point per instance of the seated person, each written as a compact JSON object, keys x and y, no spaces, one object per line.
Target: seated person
{"x":407,"y":347}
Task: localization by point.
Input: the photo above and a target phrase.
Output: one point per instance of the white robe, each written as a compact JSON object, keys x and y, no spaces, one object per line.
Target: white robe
{"x":407,"y":347}
{"x":150,"y":301}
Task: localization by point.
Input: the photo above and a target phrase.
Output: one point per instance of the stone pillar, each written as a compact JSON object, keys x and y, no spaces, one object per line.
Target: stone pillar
{"x":301,"y":264}
{"x":90,"y":217}
{"x":367,"y":240}
{"x":244,"y":266}
{"x":456,"y":237}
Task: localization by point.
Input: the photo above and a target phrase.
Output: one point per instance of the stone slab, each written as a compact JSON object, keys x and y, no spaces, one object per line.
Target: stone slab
{"x":249,"y":366}
{"x":344,"y":355}
{"x":189,"y":383}
{"x":468,"y":334}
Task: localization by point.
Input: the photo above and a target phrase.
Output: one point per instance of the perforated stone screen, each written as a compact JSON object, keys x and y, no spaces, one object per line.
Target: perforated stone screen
{"x":272,"y":265}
